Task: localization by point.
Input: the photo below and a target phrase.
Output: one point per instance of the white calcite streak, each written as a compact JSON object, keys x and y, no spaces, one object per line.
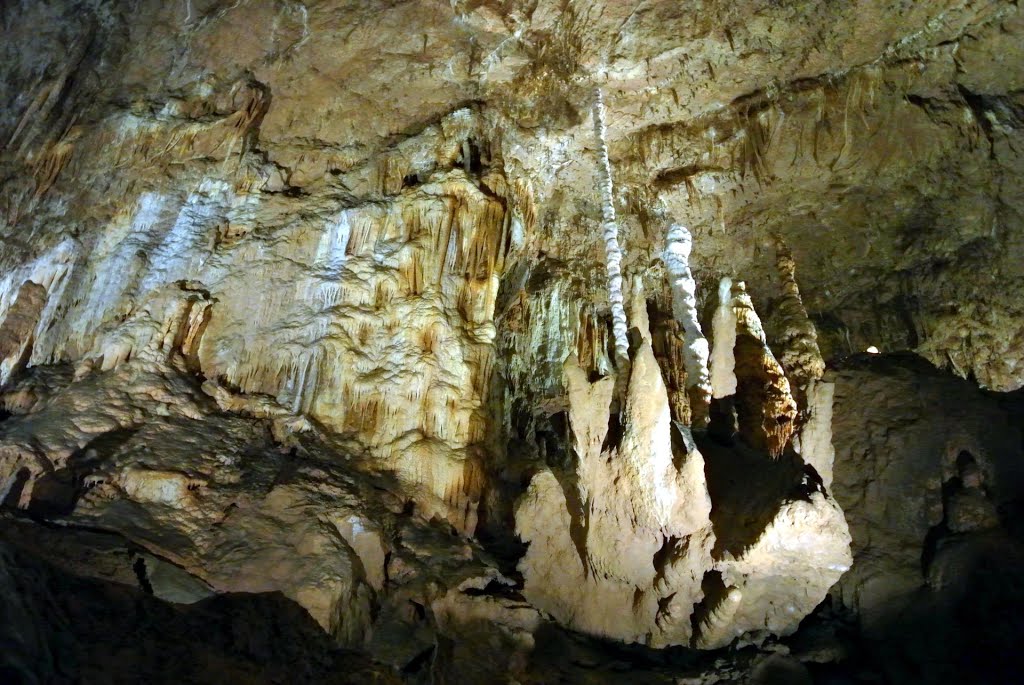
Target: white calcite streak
{"x":679,"y":242}
{"x":189,"y":242}
{"x":613,"y":252}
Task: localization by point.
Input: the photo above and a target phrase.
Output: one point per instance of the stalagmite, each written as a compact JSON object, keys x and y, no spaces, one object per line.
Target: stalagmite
{"x":321,"y":348}
{"x":800,"y":356}
{"x":595,"y":559}
{"x":684,"y":308}
{"x":613,"y":253}
{"x":743,"y":365}
{"x":723,"y":330}
{"x":765,"y":407}
{"x":815,"y":439}
{"x":715,"y":629}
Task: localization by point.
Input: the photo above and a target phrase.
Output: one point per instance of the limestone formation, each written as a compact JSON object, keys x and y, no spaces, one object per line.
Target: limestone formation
{"x":941,"y":471}
{"x":800,"y":355}
{"x":314,"y":345}
{"x":935,"y":534}
{"x":723,"y":352}
{"x":18,"y":328}
{"x":613,"y":253}
{"x":764,"y":404}
{"x":679,"y":242}
{"x":607,"y":555}
{"x":621,"y":543}
{"x":814,"y":443}
{"x":745,"y":369}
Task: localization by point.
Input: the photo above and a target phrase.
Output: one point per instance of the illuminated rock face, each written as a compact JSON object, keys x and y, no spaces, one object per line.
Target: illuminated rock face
{"x":377,"y":323}
{"x":19,"y":327}
{"x":624,"y":545}
{"x":330,"y":299}
{"x":605,"y":537}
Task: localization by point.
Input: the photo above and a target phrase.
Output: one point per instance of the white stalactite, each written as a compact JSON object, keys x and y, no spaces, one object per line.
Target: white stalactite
{"x":613,"y":252}
{"x":679,"y":242}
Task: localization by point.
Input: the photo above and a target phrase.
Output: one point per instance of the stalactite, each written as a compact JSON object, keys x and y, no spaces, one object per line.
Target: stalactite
{"x":613,"y":252}
{"x":48,"y":166}
{"x":684,"y":308}
{"x":361,"y":310}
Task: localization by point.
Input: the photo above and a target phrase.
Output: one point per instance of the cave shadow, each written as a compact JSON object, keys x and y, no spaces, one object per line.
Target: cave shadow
{"x":941,"y":531}
{"x":747,"y":487}
{"x":56,"y":493}
{"x":968,"y":634}
{"x":17,"y":486}
{"x":571,"y":652}
{"x":236,"y":637}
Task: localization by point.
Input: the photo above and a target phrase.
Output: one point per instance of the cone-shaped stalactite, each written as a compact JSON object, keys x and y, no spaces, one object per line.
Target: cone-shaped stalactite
{"x":684,"y":307}
{"x":613,"y":253}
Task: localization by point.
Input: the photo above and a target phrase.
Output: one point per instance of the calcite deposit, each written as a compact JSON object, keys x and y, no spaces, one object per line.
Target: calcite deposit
{"x":484,"y":341}
{"x":622,"y":544}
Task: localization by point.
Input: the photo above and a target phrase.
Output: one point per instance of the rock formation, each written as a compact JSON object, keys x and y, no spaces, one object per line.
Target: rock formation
{"x":314,"y":315}
{"x":801,"y":357}
{"x":612,"y":251}
{"x":622,"y":545}
{"x":679,"y":244}
{"x":620,"y":549}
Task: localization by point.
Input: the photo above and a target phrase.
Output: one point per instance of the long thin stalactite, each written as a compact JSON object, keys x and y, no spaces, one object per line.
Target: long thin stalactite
{"x":613,"y":253}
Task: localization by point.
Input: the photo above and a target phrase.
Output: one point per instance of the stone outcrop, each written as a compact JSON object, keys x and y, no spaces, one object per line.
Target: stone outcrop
{"x":623,"y":544}
{"x":325,"y":303}
{"x":210,"y":503}
{"x":948,"y":458}
{"x":60,"y":627}
{"x":929,"y":472}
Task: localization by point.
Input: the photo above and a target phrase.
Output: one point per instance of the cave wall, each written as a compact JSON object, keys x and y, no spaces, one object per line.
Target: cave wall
{"x":317,"y":251}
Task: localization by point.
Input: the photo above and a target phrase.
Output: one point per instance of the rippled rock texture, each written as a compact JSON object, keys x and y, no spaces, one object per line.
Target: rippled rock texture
{"x":359,"y":306}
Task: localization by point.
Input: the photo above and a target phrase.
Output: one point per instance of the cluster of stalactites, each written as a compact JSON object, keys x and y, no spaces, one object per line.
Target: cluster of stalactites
{"x":613,"y":253}
{"x":684,"y":309}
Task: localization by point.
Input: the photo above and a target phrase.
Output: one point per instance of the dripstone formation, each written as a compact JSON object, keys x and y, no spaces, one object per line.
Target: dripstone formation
{"x":497,"y":342}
